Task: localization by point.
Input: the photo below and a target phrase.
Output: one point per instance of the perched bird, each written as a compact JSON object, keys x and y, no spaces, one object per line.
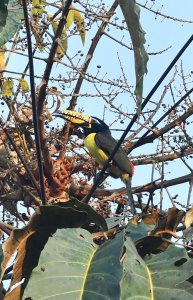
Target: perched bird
{"x":100,"y":144}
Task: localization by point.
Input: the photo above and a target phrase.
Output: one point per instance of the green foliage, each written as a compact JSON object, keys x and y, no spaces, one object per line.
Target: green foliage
{"x":136,"y":281}
{"x":74,"y":16}
{"x":11,"y":20}
{"x":71,"y":266}
{"x":7,"y":90}
{"x":3,"y":13}
{"x":24,"y":85}
{"x":161,"y":276}
{"x":170,"y":272}
{"x":67,"y":263}
{"x":138,"y":231}
{"x":131,"y":13}
{"x":80,"y":269}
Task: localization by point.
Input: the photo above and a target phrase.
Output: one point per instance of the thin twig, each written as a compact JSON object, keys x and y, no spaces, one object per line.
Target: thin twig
{"x":189,"y":194}
{"x":21,"y":157}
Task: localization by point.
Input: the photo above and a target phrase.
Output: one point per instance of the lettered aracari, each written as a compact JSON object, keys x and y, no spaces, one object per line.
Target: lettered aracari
{"x":100,"y":144}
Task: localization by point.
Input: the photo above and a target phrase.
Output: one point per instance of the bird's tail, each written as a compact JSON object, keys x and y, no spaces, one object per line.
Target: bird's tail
{"x":120,"y":208}
{"x":130,"y":197}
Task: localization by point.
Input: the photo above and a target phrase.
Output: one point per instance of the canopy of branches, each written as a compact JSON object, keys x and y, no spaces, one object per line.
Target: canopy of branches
{"x":103,"y":59}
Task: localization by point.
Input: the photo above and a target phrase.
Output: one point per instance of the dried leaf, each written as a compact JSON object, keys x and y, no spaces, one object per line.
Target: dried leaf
{"x":150,"y":219}
{"x":24,"y":85}
{"x":7,"y":90}
{"x":188,"y":233}
{"x":174,"y":217}
{"x":43,"y":223}
{"x":167,"y":223}
{"x":151,"y":244}
{"x":53,"y":89}
{"x":189,"y":218}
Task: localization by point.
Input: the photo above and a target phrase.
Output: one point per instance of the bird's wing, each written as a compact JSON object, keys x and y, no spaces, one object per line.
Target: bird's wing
{"x":107,"y":143}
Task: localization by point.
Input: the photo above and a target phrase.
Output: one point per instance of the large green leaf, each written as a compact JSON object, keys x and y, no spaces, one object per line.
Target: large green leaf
{"x":136,"y":281}
{"x":170,"y":272}
{"x":72,"y":267}
{"x":3,"y":13}
{"x":31,"y":239}
{"x":92,"y":215}
{"x":162,"y":276}
{"x":13,"y":20}
{"x":136,"y":232}
{"x":131,"y":14}
{"x":114,"y":221}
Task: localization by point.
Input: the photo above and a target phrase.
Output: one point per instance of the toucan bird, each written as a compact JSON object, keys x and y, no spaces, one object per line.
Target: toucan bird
{"x":100,"y":143}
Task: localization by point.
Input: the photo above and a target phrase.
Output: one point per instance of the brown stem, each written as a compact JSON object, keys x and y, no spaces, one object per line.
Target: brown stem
{"x":136,"y":190}
{"x":42,"y":91}
{"x":6,"y":228}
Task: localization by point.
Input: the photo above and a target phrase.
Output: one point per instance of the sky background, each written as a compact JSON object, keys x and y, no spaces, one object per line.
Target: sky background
{"x":161,"y":33}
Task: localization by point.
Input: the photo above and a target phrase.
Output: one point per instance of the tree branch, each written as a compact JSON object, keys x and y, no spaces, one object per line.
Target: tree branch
{"x":82,"y":190}
{"x":159,"y":158}
{"x":150,"y":138}
{"x":42,"y":91}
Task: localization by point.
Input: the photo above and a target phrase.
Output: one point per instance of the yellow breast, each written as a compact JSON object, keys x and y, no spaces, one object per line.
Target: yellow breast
{"x":98,"y":154}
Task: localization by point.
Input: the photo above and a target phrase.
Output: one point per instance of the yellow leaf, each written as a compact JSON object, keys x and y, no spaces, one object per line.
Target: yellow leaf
{"x":70,"y":18}
{"x":2,"y":57}
{"x":60,"y":51}
{"x":24,"y":85}
{"x":7,"y":90}
{"x":79,"y":21}
{"x":38,"y":7}
{"x":74,"y":16}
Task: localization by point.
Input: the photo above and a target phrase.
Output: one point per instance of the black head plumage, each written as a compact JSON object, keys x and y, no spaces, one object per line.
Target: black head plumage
{"x":97,"y":125}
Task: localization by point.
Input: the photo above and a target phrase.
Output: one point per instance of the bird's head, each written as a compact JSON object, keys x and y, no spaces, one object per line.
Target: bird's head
{"x":89,"y":124}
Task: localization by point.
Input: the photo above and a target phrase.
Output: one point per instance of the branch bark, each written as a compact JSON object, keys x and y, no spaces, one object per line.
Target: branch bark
{"x":150,"y":138}
{"x":160,"y":158}
{"x":99,"y":193}
{"x":42,"y":91}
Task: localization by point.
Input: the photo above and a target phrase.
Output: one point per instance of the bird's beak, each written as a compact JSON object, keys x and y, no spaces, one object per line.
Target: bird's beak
{"x":74,"y":117}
